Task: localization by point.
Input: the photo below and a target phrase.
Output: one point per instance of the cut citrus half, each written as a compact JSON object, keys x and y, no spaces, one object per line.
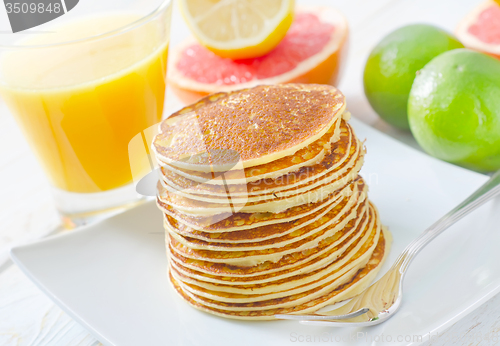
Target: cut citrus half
{"x":313,"y":51}
{"x":238,"y":29}
{"x":480,"y":30}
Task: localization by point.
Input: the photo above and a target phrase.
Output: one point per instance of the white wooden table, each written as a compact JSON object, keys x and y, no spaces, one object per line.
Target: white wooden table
{"x":27,"y":317}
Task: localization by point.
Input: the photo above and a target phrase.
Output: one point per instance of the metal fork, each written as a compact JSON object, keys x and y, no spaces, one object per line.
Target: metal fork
{"x":381,"y":300}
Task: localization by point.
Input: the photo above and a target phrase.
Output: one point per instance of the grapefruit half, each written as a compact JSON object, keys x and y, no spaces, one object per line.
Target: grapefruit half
{"x":312,"y":51}
{"x":480,"y":30}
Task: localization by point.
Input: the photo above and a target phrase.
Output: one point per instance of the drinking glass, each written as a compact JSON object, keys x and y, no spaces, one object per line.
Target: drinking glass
{"x":81,"y":87}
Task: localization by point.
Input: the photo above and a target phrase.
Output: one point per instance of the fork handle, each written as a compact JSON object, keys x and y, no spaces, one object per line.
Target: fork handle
{"x":486,"y":192}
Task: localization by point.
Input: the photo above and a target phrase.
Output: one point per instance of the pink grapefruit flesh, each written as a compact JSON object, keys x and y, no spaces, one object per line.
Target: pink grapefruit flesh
{"x":487,"y":26}
{"x":306,"y":37}
{"x":480,"y":30}
{"x":311,"y":52}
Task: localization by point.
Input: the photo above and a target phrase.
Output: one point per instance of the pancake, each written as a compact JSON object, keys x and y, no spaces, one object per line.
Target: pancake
{"x":337,"y":162}
{"x":264,"y":209}
{"x":346,"y":208}
{"x":281,"y":201}
{"x":230,"y":222}
{"x":267,"y":293}
{"x":326,"y":251}
{"x":356,"y":242}
{"x":251,"y":126}
{"x":254,"y":257}
{"x":267,"y":231}
{"x":331,"y":295}
{"x":293,"y":297}
{"x":308,"y":156}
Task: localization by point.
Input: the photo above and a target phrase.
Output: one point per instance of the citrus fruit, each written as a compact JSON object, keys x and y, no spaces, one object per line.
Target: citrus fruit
{"x":480,"y":30}
{"x":454,"y":109}
{"x":238,"y":29}
{"x":313,"y":51}
{"x":393,"y":64}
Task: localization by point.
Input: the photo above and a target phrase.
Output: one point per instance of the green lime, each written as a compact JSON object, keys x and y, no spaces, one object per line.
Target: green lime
{"x":393,"y":63}
{"x":454,"y":109}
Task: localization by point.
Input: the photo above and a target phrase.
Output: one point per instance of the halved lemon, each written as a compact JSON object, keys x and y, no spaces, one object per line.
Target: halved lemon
{"x":238,"y":29}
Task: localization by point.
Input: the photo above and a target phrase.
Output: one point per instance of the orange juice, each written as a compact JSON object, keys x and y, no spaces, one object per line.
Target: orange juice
{"x":81,"y":103}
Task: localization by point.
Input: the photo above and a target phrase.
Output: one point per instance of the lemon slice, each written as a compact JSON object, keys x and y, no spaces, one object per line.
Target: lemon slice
{"x":238,"y":29}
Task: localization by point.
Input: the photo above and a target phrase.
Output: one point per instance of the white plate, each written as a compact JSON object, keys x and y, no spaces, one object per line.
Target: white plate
{"x":111,"y":277}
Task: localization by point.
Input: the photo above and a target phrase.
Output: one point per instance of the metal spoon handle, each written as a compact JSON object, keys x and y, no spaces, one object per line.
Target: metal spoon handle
{"x":486,"y":192}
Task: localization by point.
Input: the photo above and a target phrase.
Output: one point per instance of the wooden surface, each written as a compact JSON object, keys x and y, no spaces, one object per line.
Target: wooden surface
{"x":28,"y":317}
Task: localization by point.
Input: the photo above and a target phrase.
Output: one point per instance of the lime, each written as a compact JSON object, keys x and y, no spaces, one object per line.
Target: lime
{"x":454,"y":109}
{"x":393,"y":63}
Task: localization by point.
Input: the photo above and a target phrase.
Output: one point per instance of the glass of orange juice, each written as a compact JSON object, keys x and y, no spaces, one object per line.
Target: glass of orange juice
{"x":81,"y":87}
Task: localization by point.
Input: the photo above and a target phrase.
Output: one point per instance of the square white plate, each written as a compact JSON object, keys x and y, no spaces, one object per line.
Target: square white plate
{"x":111,"y":277}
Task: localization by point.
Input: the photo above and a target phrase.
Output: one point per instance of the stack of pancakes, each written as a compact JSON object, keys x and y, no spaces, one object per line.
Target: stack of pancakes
{"x":265,"y":212}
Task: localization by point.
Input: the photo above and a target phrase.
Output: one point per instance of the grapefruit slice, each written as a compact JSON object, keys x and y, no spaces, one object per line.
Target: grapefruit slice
{"x":238,"y":29}
{"x":313,"y":51}
{"x":480,"y":30}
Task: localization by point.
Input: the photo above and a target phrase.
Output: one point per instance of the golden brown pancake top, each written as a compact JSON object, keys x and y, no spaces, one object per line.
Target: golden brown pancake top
{"x":249,"y":123}
{"x":342,"y":149}
{"x":337,"y":135}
